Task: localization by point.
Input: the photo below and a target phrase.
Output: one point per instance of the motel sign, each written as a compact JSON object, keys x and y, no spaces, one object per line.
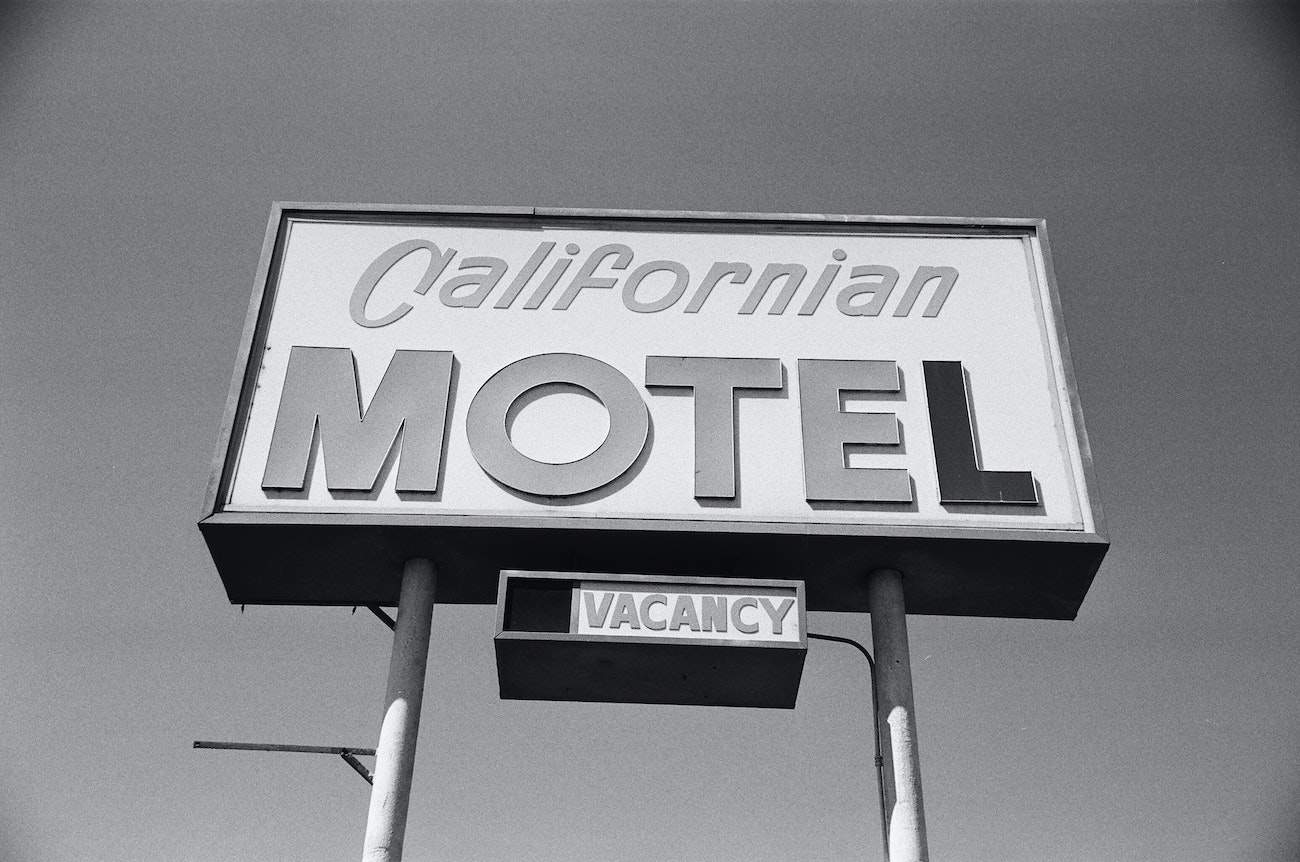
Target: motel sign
{"x":758,"y":415}
{"x":694,"y":394}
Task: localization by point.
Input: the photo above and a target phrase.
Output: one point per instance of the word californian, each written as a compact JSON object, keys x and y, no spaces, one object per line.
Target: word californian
{"x":649,"y":287}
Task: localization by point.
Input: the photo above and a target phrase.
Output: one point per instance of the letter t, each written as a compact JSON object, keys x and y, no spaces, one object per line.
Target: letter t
{"x":716,"y":383}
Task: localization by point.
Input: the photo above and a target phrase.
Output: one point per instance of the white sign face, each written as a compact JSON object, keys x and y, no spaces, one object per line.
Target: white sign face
{"x":815,"y":375}
{"x":670,"y":611}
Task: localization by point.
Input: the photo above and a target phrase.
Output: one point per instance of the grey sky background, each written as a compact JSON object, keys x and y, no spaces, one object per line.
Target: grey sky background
{"x":141,"y":146}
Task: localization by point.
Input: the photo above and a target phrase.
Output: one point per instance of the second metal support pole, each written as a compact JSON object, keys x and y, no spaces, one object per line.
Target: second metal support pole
{"x":395,"y":753}
{"x":896,"y":717}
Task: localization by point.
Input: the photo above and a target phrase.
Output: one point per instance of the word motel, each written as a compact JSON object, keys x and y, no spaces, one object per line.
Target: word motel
{"x":320,"y":400}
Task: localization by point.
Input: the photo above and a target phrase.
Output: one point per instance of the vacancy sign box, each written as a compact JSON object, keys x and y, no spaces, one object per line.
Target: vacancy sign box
{"x":681,"y":392}
{"x":650,"y":639}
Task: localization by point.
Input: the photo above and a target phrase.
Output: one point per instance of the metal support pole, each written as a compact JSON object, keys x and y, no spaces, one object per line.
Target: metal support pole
{"x":395,"y":753}
{"x":896,"y":717}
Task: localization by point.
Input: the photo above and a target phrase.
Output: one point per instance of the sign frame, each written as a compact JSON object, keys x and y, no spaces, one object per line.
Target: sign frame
{"x":347,"y":559}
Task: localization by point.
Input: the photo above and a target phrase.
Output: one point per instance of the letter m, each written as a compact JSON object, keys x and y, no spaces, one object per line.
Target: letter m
{"x":322,"y":394}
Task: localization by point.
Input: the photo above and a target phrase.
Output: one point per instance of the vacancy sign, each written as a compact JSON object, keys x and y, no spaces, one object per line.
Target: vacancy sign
{"x":728,"y":641}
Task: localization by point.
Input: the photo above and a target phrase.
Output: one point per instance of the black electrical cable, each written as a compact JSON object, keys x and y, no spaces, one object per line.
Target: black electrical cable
{"x":875,"y":725}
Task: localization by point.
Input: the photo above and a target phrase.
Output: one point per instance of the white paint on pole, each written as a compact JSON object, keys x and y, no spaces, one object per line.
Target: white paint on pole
{"x":896,"y":718}
{"x":395,"y":753}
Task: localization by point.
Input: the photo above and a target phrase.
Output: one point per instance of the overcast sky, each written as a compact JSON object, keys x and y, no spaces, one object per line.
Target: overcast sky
{"x":141,"y":146}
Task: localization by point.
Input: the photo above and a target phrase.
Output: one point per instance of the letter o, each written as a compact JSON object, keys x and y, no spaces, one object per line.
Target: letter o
{"x":680,"y":278}
{"x":489,"y":438}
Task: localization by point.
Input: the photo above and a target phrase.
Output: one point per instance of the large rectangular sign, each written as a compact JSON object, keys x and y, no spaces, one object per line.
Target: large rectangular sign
{"x":699,"y":379}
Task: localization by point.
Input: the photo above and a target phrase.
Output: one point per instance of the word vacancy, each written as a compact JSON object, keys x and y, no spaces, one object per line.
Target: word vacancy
{"x":652,"y":286}
{"x":615,"y":609}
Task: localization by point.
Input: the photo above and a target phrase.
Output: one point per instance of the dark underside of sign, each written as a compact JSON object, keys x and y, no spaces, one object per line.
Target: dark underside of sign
{"x":336,"y":560}
{"x":537,"y":668}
